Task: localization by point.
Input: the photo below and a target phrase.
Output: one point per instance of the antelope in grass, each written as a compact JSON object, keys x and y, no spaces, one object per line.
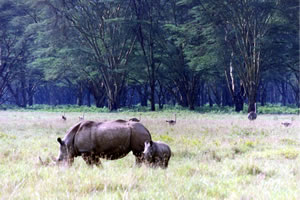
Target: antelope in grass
{"x":171,"y":121}
{"x":252,"y":115}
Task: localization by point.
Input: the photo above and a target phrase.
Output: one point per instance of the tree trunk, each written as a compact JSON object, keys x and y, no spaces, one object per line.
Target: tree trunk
{"x":252,"y":99}
{"x":161,"y":96}
{"x":30,"y":93}
{"x":263,"y":94}
{"x":152,"y":94}
{"x":30,"y":98}
{"x":225,"y":101}
{"x":89,"y":97}
{"x":191,"y":98}
{"x":209,"y":97}
{"x":143,"y":93}
{"x":237,"y":95}
{"x":97,"y":89}
{"x":23,"y":89}
{"x":80,"y":95}
{"x":114,"y":91}
{"x":238,"y":102}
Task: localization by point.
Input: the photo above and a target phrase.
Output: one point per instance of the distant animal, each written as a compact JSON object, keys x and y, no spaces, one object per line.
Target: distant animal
{"x":81,"y":117}
{"x":286,"y":124}
{"x":135,"y":119}
{"x":110,"y":140}
{"x":252,"y":115}
{"x":157,"y":154}
{"x":64,"y":117}
{"x":172,"y":122}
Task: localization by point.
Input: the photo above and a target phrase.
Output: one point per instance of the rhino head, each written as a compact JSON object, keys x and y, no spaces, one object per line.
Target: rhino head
{"x":63,"y":151}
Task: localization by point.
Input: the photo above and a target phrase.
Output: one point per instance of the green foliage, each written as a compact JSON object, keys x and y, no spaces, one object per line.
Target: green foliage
{"x":268,"y":109}
{"x":289,"y":153}
{"x":289,"y":141}
{"x":278,"y":109}
{"x":179,"y":48}
{"x":250,"y":170}
{"x":4,"y":136}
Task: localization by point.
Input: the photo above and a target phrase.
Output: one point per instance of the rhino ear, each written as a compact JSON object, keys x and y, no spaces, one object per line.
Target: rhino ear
{"x":60,"y":141}
{"x":150,"y":143}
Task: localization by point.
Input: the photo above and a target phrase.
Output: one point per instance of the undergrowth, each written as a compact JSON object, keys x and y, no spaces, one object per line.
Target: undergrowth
{"x":215,"y":109}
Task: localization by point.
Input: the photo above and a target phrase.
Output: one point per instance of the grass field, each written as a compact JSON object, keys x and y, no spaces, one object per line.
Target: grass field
{"x":215,"y":156}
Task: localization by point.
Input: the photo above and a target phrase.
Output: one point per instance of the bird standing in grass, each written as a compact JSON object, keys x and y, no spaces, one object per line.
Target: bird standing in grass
{"x":252,"y":115}
{"x":286,"y":124}
{"x":172,"y":122}
{"x":64,"y":117}
{"x":135,"y":119}
{"x":81,"y":117}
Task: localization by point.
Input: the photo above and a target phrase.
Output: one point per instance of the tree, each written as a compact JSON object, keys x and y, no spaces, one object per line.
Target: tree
{"x":280,"y":60}
{"x":192,"y":53}
{"x":104,"y":27}
{"x":247,"y":22}
{"x":149,"y":16}
{"x":13,"y":49}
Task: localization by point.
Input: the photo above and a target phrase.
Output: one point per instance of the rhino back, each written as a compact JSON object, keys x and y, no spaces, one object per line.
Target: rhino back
{"x":162,"y":148}
{"x":110,"y":139}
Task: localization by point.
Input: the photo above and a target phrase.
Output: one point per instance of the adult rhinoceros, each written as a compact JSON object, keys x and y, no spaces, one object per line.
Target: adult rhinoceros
{"x":110,"y":139}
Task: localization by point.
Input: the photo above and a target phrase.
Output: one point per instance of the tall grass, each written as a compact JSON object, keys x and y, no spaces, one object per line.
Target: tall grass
{"x":215,"y":156}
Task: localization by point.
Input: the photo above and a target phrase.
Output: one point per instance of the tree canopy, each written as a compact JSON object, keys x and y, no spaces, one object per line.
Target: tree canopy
{"x":117,"y":53}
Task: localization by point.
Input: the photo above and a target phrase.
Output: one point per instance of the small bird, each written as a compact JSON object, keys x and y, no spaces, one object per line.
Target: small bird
{"x":252,"y":115}
{"x":81,"y":117}
{"x":64,"y":117}
{"x":172,"y":122}
{"x":135,"y":119}
{"x":286,"y":124}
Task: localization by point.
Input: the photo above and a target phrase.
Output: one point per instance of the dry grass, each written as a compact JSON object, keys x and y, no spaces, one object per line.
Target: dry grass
{"x":214,"y":157}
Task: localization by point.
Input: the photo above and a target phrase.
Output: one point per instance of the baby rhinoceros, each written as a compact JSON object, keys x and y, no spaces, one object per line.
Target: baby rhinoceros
{"x":157,"y":154}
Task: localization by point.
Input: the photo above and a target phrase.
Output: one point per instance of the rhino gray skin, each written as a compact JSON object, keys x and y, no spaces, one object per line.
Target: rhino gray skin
{"x":157,"y":154}
{"x":110,"y":140}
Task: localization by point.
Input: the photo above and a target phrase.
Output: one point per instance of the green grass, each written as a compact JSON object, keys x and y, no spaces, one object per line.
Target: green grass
{"x":214,"y":156}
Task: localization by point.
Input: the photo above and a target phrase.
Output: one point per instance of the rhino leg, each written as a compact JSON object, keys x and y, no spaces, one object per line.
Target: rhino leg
{"x":91,"y":159}
{"x":87,"y":158}
{"x":96,"y":160}
{"x":139,"y":159}
{"x":165,"y":164}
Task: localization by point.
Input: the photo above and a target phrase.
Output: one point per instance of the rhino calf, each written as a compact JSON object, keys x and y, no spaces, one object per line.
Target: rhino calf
{"x":157,"y":154}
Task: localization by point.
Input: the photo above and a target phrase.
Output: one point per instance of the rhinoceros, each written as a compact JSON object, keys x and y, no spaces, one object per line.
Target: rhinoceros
{"x":157,"y":154}
{"x":110,"y":140}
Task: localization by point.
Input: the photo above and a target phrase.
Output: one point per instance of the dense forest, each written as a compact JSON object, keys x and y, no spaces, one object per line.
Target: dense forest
{"x":117,"y":53}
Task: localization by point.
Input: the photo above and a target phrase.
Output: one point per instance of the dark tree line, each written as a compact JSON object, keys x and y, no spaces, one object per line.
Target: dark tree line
{"x":127,"y":52}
